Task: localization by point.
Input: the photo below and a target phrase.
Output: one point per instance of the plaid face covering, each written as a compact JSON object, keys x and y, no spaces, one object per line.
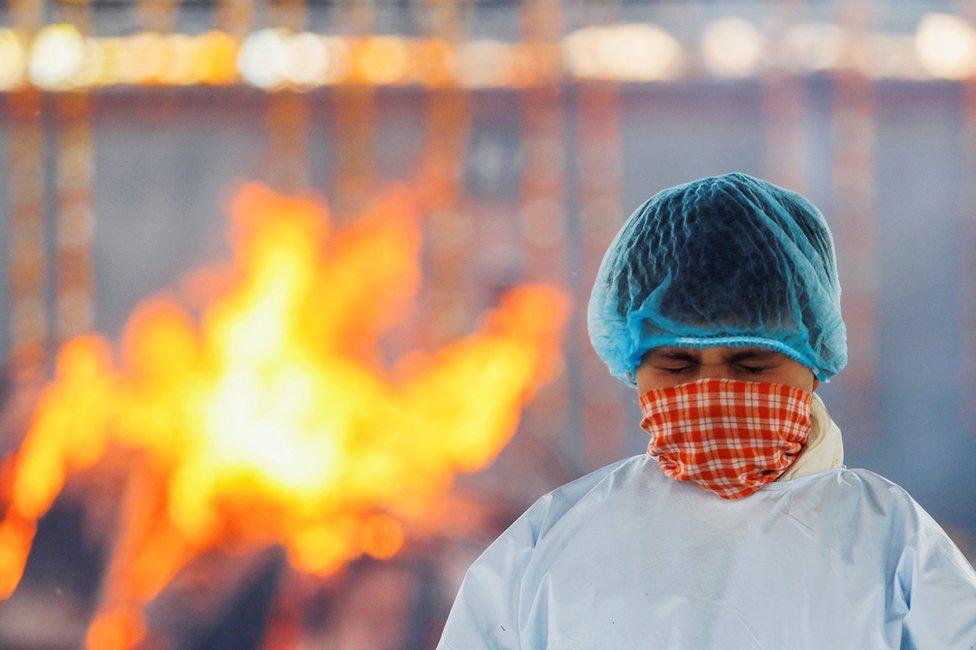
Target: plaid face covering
{"x":727,"y":435}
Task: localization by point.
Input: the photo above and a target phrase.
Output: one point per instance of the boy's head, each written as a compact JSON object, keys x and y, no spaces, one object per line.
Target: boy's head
{"x":723,"y":262}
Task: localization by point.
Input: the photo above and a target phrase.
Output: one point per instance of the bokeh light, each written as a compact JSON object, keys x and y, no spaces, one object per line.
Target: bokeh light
{"x":13,"y":60}
{"x":380,"y":60}
{"x":145,"y":59}
{"x":219,"y":52}
{"x":484,"y":63}
{"x":732,"y":47}
{"x":264,"y":58}
{"x":307,"y":60}
{"x":946,"y":46}
{"x":57,"y":56}
{"x":626,"y":52}
{"x":812,"y":47}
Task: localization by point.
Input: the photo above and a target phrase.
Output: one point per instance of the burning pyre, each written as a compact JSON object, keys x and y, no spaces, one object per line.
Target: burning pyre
{"x":253,"y":409}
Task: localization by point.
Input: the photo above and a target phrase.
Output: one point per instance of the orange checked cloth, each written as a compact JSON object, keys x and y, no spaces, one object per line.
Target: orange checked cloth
{"x":727,"y":435}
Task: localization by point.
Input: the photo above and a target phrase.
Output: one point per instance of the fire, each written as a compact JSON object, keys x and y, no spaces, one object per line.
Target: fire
{"x":253,"y":408}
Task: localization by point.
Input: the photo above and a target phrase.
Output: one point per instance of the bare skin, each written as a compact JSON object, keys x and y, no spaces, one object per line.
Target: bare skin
{"x":672,"y":365}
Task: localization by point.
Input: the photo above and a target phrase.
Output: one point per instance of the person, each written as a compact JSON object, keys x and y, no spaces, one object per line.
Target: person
{"x":740,"y":527}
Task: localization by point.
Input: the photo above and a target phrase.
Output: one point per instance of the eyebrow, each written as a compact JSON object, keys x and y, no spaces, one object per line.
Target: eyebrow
{"x":679,"y":354}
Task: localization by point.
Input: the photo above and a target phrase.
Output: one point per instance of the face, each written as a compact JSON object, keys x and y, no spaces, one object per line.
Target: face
{"x":670,"y":366}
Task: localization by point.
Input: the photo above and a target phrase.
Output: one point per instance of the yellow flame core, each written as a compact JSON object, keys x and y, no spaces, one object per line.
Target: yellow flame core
{"x":268,"y":419}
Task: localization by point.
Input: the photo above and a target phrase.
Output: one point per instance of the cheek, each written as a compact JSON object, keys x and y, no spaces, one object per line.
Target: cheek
{"x":652,"y":379}
{"x":799,"y":377}
{"x":667,"y":382}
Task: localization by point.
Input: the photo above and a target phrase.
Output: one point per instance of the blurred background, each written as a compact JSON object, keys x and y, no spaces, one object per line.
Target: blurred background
{"x":292,"y":294}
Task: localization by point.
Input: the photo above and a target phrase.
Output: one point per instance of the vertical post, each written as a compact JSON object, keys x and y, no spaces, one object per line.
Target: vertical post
{"x":542,"y":209}
{"x":603,"y":422}
{"x":234,"y":17}
{"x":448,"y":228}
{"x":75,"y":216}
{"x":355,"y":115}
{"x":854,"y":208}
{"x":287,"y":116}
{"x":157,"y":15}
{"x":29,"y":324}
{"x":968,"y":213}
{"x":784,"y":111}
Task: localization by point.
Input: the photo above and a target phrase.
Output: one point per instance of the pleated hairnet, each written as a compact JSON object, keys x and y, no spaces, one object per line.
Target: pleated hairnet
{"x":721,"y":261}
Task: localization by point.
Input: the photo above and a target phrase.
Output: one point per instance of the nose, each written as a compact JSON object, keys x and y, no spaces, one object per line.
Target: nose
{"x":717,"y":371}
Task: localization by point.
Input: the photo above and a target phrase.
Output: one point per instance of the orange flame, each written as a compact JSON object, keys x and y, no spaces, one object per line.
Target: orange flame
{"x":270,"y":419}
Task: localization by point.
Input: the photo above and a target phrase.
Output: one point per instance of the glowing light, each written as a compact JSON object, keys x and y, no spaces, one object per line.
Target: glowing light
{"x":337,"y":62}
{"x":307,"y":61}
{"x":536,"y":63}
{"x":144,"y":59}
{"x":946,"y":46}
{"x":109,"y":57}
{"x":92,"y":72}
{"x":380,"y":60}
{"x":812,"y":47}
{"x":219,"y":52}
{"x":275,"y":58}
{"x":13,"y":60}
{"x":732,"y":47}
{"x":484,"y":64}
{"x":892,"y":56}
{"x":57,"y":56}
{"x":432,"y":62}
{"x":264,"y":58}
{"x":186,"y":56}
{"x":630,"y":52}
{"x":943,"y":46}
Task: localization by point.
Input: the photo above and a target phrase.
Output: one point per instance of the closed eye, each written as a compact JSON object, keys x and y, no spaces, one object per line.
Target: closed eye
{"x":754,"y":370}
{"x":675,"y":371}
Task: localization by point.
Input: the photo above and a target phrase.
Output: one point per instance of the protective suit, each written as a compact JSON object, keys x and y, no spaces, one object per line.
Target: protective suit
{"x":822,"y":557}
{"x":626,"y":557}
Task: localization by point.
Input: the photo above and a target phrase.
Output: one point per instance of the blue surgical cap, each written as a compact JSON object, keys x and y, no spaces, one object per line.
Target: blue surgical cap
{"x":722,"y":261}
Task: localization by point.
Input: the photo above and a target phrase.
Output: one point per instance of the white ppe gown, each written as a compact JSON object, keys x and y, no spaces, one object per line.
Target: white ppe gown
{"x":626,"y":557}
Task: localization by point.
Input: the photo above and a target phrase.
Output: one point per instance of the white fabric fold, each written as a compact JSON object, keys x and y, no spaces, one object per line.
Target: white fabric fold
{"x":825,"y":448}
